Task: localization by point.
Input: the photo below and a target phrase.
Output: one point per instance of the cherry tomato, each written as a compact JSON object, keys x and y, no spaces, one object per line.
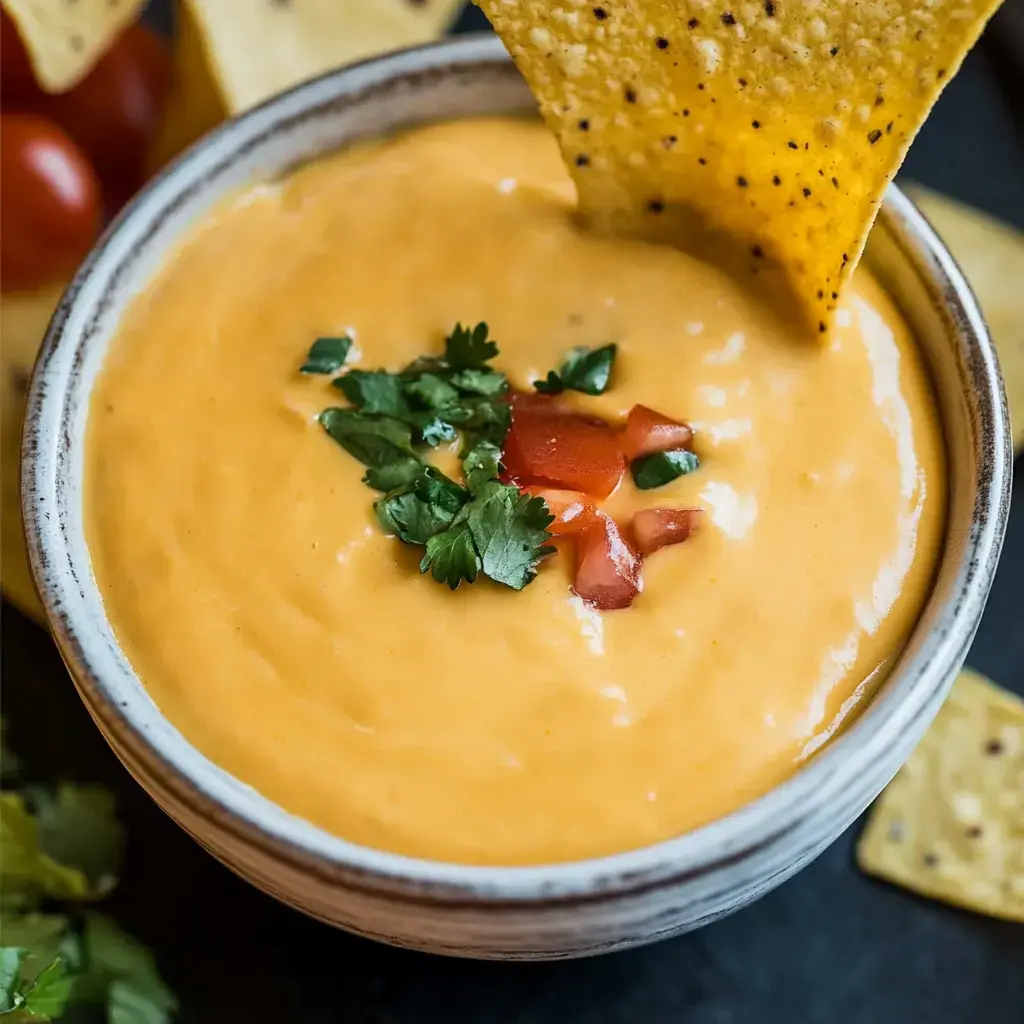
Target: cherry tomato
{"x":49,"y":202}
{"x":17,"y":80}
{"x":114,"y":112}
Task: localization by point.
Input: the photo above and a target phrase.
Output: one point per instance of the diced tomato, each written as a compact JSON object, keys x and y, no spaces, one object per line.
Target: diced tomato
{"x":607,"y":568}
{"x":648,"y":432}
{"x":654,"y":528}
{"x":563,"y":450}
{"x":572,"y":510}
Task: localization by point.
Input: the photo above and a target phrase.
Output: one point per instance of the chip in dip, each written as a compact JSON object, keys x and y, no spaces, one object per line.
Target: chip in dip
{"x":298,"y":646}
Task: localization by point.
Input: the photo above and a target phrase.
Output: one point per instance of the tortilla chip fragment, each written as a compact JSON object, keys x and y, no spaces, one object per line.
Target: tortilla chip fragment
{"x":64,"y":40}
{"x":778,"y":123}
{"x":991,"y":255}
{"x":260,"y":47}
{"x":951,"y":824}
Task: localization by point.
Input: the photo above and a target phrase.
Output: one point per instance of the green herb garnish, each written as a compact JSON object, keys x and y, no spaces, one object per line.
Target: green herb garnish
{"x":481,"y":526}
{"x":327,"y":355}
{"x":662,"y":468}
{"x":585,"y":369}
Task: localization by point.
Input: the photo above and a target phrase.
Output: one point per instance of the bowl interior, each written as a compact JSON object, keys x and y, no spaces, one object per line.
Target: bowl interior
{"x":466,"y":77}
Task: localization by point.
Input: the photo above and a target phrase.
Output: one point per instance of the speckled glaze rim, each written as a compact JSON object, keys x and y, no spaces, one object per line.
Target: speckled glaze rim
{"x":114,"y":695}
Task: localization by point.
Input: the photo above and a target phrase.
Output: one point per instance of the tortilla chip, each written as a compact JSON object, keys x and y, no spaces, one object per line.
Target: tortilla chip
{"x":778,"y":123}
{"x":194,"y":105}
{"x":64,"y":40}
{"x":991,"y":255}
{"x":23,"y":320}
{"x":951,"y":824}
{"x":260,"y":47}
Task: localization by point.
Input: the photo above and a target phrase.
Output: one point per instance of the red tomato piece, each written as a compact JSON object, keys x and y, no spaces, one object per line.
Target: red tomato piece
{"x":49,"y":202}
{"x":607,"y":567}
{"x":572,"y":510}
{"x":654,"y":528}
{"x":648,"y":432}
{"x":114,"y":112}
{"x":563,"y":450}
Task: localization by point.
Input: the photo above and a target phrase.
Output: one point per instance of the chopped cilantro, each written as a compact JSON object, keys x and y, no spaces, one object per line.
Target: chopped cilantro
{"x":469,"y":348}
{"x":374,"y":392}
{"x":327,"y":355}
{"x":393,"y":475}
{"x":431,"y":391}
{"x":451,"y":556}
{"x":435,"y":429}
{"x":481,"y":382}
{"x":423,"y":510}
{"x":375,"y":442}
{"x":585,"y":369}
{"x":662,"y":468}
{"x":509,"y":530}
{"x":481,"y":463}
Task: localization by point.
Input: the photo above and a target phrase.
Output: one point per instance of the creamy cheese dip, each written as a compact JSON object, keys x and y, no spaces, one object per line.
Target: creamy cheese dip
{"x":299,"y":648}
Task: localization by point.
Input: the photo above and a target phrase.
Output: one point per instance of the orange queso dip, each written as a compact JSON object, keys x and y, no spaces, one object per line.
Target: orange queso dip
{"x":299,"y":647}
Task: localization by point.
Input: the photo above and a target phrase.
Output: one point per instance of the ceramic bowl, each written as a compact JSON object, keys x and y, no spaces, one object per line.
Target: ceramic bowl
{"x":539,"y":912}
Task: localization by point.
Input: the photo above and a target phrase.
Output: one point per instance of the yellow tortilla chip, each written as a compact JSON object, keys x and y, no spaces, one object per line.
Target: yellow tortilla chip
{"x":194,"y":105}
{"x":260,"y":47}
{"x":991,"y":255}
{"x":23,"y":320}
{"x":64,"y":40}
{"x":777,"y":123}
{"x":951,"y":824}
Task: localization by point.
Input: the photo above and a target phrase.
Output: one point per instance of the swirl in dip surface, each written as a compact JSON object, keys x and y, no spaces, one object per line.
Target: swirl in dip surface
{"x":299,"y":648}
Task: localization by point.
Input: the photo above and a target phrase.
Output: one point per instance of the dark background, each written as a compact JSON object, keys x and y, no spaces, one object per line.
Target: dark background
{"x":829,"y":947}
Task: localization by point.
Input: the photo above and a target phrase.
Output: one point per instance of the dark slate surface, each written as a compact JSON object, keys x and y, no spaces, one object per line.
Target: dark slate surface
{"x":829,"y":947}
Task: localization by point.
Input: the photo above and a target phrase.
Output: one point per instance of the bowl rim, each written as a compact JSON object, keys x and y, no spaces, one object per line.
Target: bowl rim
{"x":911,"y":688}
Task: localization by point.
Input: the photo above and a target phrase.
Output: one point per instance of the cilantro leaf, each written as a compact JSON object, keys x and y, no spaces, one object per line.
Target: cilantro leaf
{"x":47,"y":996}
{"x":551,"y":385}
{"x":375,"y":392}
{"x":482,"y":418}
{"x":488,"y":383}
{"x":136,"y":994}
{"x":26,"y":871}
{"x":11,"y":958}
{"x":662,"y":468}
{"x":78,"y":826}
{"x":374,"y":441}
{"x":427,"y":508}
{"x":431,"y":391}
{"x":466,"y":349}
{"x":394,"y":475}
{"x":509,"y":530}
{"x":451,"y":556}
{"x":585,"y":369}
{"x":435,"y":429}
{"x":480,"y":464}
{"x":327,"y":355}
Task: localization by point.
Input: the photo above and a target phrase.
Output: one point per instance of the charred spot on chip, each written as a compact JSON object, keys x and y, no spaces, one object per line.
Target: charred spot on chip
{"x":940,"y":74}
{"x":821,"y":327}
{"x":692,"y":23}
{"x":879,"y":100}
{"x":742,"y":83}
{"x":755,"y":124}
{"x":888,"y":128}
{"x":792,"y":144}
{"x":661,"y":43}
{"x":728,"y":19}
{"x":669,"y":141}
{"x":973,"y":832}
{"x":821,"y":173}
{"x":630,"y":94}
{"x":895,"y":831}
{"x":776,"y":180}
{"x":835,"y":295}
{"x":874,"y":136}
{"x":994,"y":747}
{"x":583,"y":160}
{"x":846,"y":259}
{"x":930,"y":860}
{"x":757,"y":252}
{"x":655,"y":206}
{"x":686,"y":113}
{"x":821,"y":294}
{"x":742,"y":182}
{"x":806,"y":192}
{"x":600,"y":13}
{"x":834,"y":51}
{"x":584,"y":125}
{"x":835,"y":181}
{"x":769,"y":8}
{"x":701,"y":161}
{"x":700,"y":85}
